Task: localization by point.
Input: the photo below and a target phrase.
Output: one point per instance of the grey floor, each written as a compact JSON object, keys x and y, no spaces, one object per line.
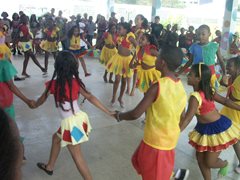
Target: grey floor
{"x":111,"y":145}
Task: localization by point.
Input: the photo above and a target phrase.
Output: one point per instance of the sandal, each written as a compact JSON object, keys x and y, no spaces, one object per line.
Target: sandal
{"x":44,"y":168}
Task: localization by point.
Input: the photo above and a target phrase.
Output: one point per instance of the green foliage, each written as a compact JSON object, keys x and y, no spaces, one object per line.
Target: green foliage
{"x":173,"y":20}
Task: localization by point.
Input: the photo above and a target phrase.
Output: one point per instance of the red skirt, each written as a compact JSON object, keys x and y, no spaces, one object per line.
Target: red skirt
{"x":153,"y":164}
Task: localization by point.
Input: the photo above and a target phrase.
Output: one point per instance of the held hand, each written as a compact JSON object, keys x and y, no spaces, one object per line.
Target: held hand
{"x":32,"y":104}
{"x":112,"y":114}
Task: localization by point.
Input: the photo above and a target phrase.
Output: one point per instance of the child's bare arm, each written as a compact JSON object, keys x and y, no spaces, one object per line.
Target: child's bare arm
{"x":147,"y":100}
{"x":221,"y":62}
{"x":226,"y":102}
{"x":42,"y":98}
{"x":19,"y":94}
{"x":188,"y":64}
{"x":132,"y":64}
{"x":93,"y":100}
{"x":133,"y":41}
{"x":191,"y":111}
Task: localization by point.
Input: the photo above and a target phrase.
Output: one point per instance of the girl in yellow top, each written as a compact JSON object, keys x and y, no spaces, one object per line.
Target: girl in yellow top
{"x":109,"y":49}
{"x":213,"y":132}
{"x":140,"y":28}
{"x":50,"y":44}
{"x":154,"y":158}
{"x":75,"y":47}
{"x":233,"y":69}
{"x":146,"y":56}
{"x":119,"y":63}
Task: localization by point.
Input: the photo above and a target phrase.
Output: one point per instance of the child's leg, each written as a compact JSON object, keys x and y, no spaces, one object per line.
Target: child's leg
{"x":54,"y":55}
{"x":212,"y":160}
{"x":25,"y":63}
{"x":105,"y":76}
{"x":36,"y":61}
{"x":237,"y":152}
{"x":46,"y":60}
{"x":115,"y":88}
{"x":81,"y":164}
{"x":84,"y":66}
{"x":123,"y":87}
{"x":134,"y":83}
{"x":206,"y":171}
{"x":128,"y":85}
{"x":110,"y":78}
{"x":55,"y":149}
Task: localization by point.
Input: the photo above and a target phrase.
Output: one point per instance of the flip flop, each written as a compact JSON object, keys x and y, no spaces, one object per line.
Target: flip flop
{"x":44,"y":168}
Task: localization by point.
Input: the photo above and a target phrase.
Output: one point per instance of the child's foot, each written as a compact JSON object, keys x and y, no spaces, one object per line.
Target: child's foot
{"x":132,"y":93}
{"x":127,"y":92}
{"x":181,"y":174}
{"x":43,"y":167}
{"x":111,"y":81}
{"x":16,"y":78}
{"x":223,"y":171}
{"x":19,"y":53}
{"x":105,"y":79}
{"x":26,"y":75}
{"x":87,"y":74}
{"x":237,"y":169}
{"x":121,"y":103}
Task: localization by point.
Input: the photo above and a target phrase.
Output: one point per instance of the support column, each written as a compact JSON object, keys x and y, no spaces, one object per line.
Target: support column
{"x":229,"y":26}
{"x":110,"y":7}
{"x":156,"y":4}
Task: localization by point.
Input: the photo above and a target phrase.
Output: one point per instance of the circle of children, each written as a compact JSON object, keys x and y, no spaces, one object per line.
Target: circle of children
{"x":144,"y":56}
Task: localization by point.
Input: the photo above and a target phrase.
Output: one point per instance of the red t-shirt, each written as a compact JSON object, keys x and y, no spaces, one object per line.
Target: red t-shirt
{"x":75,"y":89}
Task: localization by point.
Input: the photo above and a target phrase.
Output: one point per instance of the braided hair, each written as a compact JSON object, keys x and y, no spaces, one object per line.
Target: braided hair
{"x":66,"y":69}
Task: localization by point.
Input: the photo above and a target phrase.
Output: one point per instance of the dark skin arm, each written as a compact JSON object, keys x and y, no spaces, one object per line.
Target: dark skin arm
{"x":133,"y":64}
{"x":188,"y":64}
{"x":191,"y":111}
{"x":145,"y":103}
{"x":221,"y":62}
{"x":226,"y":102}
{"x":133,"y":41}
{"x":19,"y":94}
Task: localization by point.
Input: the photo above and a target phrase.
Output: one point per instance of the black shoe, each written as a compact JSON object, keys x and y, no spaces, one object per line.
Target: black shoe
{"x":182,"y":174}
{"x":19,"y":53}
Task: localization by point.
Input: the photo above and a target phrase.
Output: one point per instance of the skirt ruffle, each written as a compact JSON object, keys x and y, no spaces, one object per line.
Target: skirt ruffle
{"x":145,"y":78}
{"x":75,"y":129}
{"x":107,"y":54}
{"x":5,"y":52}
{"x":232,"y":114}
{"x":119,"y":65}
{"x":49,"y":46}
{"x":25,"y":46}
{"x":79,"y":52}
{"x":215,"y":136}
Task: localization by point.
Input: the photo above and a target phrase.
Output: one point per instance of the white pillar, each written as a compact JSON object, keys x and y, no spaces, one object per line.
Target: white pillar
{"x":156,"y":4}
{"x":110,"y":7}
{"x":229,"y":26}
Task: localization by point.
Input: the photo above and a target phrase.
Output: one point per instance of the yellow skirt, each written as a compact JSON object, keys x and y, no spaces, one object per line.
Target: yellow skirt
{"x":232,"y":114}
{"x":49,"y":46}
{"x":107,"y":54}
{"x":75,"y":129}
{"x":5,"y":52}
{"x":214,"y":81}
{"x":119,"y":65}
{"x":145,"y":78}
{"x":25,"y":46}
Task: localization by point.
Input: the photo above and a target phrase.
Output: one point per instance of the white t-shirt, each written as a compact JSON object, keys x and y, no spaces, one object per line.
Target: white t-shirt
{"x":82,"y":27}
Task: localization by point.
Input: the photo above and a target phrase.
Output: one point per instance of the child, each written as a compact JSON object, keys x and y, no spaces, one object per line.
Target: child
{"x":119,"y":63}
{"x":154,"y":158}
{"x":50,"y":44}
{"x":213,"y":132}
{"x":76,"y":49}
{"x":75,"y":126}
{"x":109,"y":49}
{"x":140,"y":28}
{"x":25,"y":44}
{"x":233,"y":69}
{"x":205,"y":52}
{"x":146,"y":55}
{"x":235,"y":45}
{"x":11,"y":151}
{"x":189,"y":37}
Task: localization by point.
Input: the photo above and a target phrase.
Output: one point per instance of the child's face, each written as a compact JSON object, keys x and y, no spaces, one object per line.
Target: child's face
{"x":204,"y":35}
{"x":122,"y":31}
{"x":138,"y":20}
{"x":192,"y":79}
{"x":190,"y":29}
{"x":143,"y":41}
{"x":113,"y":29}
{"x":230,"y":68}
{"x":76,"y":32}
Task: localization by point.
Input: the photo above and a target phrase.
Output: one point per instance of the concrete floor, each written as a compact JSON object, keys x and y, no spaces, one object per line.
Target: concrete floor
{"x":111,"y":145}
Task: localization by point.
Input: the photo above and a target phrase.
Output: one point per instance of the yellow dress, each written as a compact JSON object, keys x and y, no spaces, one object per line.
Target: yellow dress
{"x":5,"y":52}
{"x":25,"y":46}
{"x":76,"y":48}
{"x":118,"y":64}
{"x":232,"y":114}
{"x":145,"y":78}
{"x":48,"y":45}
{"x":107,"y":53}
